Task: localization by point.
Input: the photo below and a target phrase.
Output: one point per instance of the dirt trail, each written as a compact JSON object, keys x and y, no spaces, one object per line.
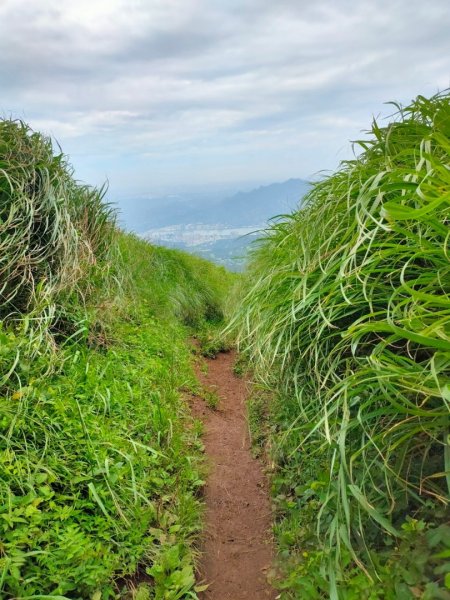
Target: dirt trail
{"x":237,"y":549}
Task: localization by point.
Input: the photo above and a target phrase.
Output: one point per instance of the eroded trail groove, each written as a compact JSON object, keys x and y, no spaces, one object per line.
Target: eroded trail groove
{"x":237,"y":549}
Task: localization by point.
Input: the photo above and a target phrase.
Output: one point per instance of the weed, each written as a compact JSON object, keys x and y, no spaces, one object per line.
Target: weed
{"x":211,"y":398}
{"x":143,"y":592}
{"x":212,"y":340}
{"x":258,"y":419}
{"x":241,"y":365}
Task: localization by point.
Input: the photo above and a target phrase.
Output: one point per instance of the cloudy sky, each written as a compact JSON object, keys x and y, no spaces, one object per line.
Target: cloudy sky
{"x":157,"y":95}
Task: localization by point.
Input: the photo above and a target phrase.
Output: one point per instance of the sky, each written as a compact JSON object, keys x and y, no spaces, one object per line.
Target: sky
{"x":157,"y":96}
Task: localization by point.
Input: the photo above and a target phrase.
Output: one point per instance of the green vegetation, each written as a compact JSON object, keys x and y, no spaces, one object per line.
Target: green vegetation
{"x":211,"y":397}
{"x":99,"y":459}
{"x":345,"y":322}
{"x":211,"y":340}
{"x":346,"y":314}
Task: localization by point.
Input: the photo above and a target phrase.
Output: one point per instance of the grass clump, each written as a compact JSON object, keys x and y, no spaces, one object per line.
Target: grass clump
{"x":212,"y":340}
{"x":211,"y":397}
{"x":51,"y":228}
{"x":99,"y":463}
{"x":347,"y":315}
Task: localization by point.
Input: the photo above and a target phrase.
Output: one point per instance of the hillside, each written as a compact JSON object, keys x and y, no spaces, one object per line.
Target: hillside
{"x":100,"y":458}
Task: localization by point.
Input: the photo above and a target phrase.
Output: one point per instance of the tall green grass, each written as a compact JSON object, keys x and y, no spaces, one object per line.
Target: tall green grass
{"x":99,"y":459}
{"x":347,"y":314}
{"x":185,"y":286}
{"x":56,"y":239}
{"x":51,"y":227}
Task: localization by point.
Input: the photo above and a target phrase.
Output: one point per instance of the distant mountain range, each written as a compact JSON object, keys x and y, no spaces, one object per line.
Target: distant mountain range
{"x":210,"y":225}
{"x":244,"y":208}
{"x":257,"y":206}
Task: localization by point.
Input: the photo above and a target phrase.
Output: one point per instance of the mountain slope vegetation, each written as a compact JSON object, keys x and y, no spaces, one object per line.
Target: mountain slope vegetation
{"x":346,"y":321}
{"x":99,"y":458}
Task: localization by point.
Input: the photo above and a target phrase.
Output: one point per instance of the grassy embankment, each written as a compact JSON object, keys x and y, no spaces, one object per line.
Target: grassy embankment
{"x":346,"y":321}
{"x":99,"y":459}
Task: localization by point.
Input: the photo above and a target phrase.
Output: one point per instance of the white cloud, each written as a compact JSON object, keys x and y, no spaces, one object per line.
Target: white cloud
{"x":281,"y":86}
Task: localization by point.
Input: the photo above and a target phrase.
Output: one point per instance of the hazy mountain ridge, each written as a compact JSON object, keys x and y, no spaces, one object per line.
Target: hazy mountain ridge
{"x":249,"y":208}
{"x":219,"y":229}
{"x":257,"y":206}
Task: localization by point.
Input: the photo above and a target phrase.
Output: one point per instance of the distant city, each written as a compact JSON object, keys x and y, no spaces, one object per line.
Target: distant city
{"x":225,"y":246}
{"x":220,"y":229}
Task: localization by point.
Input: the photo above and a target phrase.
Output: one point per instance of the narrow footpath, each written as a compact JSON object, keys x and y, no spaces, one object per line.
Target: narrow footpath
{"x":237,"y":550}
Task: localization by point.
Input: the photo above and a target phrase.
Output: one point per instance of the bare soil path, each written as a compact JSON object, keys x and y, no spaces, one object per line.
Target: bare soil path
{"x":237,"y":549}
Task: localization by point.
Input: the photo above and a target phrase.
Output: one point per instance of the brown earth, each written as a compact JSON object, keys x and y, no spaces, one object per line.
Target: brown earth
{"x":237,"y":549}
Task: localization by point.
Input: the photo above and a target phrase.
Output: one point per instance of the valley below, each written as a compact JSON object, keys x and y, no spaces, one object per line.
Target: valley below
{"x":227,"y":246}
{"x":208,"y":225}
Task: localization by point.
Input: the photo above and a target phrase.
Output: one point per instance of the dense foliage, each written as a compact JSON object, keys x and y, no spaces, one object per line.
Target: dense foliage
{"x":347,"y":315}
{"x":99,"y":460}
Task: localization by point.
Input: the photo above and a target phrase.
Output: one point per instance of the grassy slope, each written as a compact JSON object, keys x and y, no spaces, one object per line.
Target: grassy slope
{"x":346,"y":315}
{"x":99,"y":459}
